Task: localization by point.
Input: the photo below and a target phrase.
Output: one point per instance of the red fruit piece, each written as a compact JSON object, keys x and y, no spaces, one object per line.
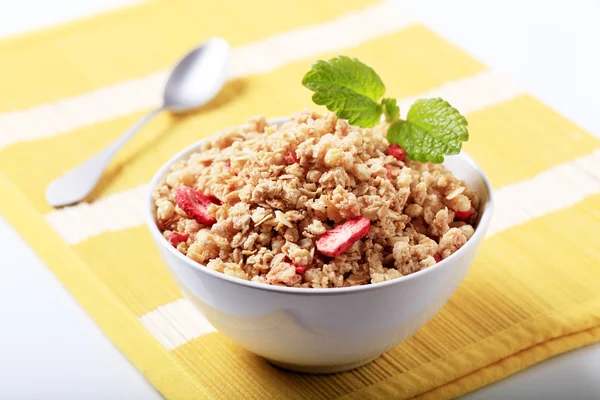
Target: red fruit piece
{"x":214,"y":199}
{"x":396,"y":151}
{"x":339,"y":239}
{"x":300,"y":269}
{"x":389,"y":171}
{"x":464,"y":215}
{"x":194,"y":204}
{"x":177,"y":237}
{"x":290,"y":158}
{"x":437,"y":257}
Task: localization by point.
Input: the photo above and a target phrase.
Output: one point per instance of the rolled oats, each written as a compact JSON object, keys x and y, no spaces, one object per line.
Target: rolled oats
{"x":275,"y":190}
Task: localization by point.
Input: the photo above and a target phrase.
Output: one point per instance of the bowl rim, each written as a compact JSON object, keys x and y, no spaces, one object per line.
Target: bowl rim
{"x":480,"y":231}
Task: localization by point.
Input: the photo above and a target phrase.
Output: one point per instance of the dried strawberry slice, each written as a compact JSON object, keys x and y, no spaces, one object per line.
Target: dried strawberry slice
{"x":396,"y":151}
{"x":194,"y":204}
{"x":290,"y":158}
{"x":437,"y":257}
{"x":389,"y":171}
{"x":339,"y":239}
{"x":464,"y":215}
{"x":214,"y":199}
{"x":300,"y":269}
{"x":178,"y":237}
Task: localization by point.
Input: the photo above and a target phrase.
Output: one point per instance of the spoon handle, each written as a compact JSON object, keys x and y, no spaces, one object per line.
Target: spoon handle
{"x":78,"y":183}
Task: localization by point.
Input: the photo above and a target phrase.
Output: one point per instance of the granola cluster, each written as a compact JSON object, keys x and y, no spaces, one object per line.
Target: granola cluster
{"x":314,"y":202}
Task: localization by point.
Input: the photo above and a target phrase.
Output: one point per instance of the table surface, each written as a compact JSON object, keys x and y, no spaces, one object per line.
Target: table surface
{"x":49,"y":346}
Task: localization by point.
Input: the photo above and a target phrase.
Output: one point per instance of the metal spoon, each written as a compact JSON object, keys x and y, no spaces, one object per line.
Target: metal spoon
{"x":194,"y":81}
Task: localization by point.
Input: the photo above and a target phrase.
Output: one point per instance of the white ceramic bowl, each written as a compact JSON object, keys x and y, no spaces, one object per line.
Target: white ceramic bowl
{"x":324,"y":330}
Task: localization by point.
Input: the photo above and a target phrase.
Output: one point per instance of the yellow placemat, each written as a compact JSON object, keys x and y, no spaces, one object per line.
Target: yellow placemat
{"x":532,"y":292}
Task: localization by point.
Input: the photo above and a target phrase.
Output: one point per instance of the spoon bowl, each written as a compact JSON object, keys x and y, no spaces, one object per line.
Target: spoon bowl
{"x":188,"y":86}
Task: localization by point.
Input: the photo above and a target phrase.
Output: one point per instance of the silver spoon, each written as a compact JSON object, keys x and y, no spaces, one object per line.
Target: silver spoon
{"x":194,"y":81}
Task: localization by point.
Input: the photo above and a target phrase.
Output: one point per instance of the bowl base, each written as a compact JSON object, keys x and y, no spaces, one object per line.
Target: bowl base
{"x":321,"y":369}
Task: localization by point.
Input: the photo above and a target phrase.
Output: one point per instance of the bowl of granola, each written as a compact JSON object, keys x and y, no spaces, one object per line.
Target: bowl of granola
{"x":320,"y":241}
{"x":315,"y":243}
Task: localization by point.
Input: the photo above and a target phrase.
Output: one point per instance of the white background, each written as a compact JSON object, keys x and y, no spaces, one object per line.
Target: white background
{"x":50,"y":348}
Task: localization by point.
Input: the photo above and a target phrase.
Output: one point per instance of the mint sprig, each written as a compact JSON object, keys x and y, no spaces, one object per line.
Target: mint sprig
{"x":353,"y":90}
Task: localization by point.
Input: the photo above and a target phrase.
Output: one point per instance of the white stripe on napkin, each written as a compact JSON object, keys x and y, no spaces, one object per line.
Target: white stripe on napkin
{"x":176,"y":323}
{"x":556,"y":188}
{"x":262,"y":56}
{"x":114,"y":212}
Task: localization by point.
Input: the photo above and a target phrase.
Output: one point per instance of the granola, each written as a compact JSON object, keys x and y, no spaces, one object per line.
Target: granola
{"x":254,"y":201}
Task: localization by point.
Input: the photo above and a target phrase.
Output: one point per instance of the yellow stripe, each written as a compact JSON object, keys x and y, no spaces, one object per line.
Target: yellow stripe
{"x":132,"y":268}
{"x":26,"y":163}
{"x":523,"y":137}
{"x":511,"y":365}
{"x":255,"y":377}
{"x":114,"y":317}
{"x":128,"y":44}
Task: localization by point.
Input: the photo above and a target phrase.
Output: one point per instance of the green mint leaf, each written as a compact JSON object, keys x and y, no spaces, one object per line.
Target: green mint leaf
{"x":345,"y":72}
{"x":390,"y":109}
{"x":358,"y":110}
{"x":349,"y":88}
{"x":433,"y":128}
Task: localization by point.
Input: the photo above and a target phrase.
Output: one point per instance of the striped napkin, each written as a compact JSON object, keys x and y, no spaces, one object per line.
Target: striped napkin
{"x":532,"y":293}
